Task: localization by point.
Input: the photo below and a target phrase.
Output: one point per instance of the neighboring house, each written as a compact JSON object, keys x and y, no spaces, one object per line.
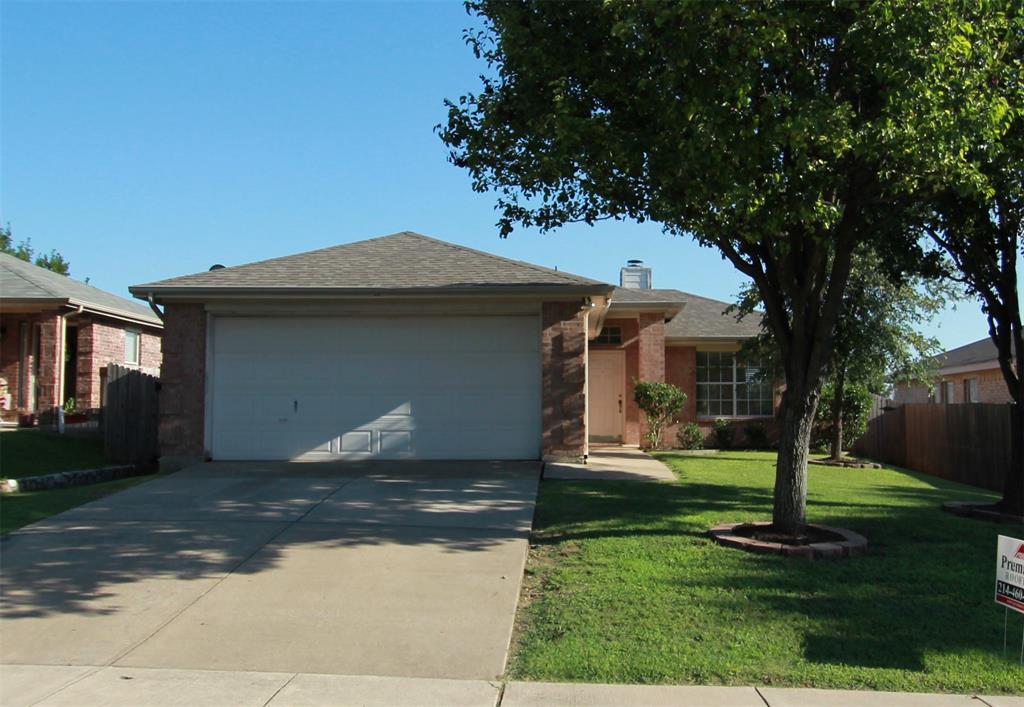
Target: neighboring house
{"x":408,"y":347}
{"x":968,"y":374}
{"x":57,"y":335}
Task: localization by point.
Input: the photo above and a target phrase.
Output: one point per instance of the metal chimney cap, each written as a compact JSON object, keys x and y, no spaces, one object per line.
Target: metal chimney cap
{"x":216,"y":266}
{"x":633,"y":262}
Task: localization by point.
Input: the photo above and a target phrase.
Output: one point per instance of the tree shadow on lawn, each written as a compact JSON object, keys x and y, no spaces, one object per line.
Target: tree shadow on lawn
{"x":922,"y":588}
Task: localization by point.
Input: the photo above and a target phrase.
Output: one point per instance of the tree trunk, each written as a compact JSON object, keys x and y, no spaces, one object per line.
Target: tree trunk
{"x":1013,"y":484}
{"x":797,"y":413}
{"x":837,"y":415}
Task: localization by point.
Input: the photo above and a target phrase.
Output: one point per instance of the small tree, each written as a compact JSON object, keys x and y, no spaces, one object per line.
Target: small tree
{"x":660,"y":403}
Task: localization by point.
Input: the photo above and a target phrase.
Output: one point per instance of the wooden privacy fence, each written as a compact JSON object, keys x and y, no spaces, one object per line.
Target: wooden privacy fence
{"x":969,"y":443}
{"x":130,"y":416}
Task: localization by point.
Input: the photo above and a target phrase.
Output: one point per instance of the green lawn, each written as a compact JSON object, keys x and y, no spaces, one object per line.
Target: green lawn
{"x":623,"y":586}
{"x":20,"y":509}
{"x":31,"y":452}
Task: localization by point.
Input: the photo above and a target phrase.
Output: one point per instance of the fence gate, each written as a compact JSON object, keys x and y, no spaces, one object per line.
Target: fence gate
{"x":130,"y":416}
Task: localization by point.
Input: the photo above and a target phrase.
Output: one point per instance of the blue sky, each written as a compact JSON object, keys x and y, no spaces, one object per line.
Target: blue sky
{"x":145,"y":140}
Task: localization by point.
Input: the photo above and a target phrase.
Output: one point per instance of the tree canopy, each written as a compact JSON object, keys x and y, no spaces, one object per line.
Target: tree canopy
{"x":783,"y":134}
{"x":23,"y":250}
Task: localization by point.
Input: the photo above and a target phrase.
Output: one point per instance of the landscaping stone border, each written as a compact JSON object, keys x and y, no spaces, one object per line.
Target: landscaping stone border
{"x":851,"y":544}
{"x":63,"y":479}
{"x":851,"y":464}
{"x":694,"y":452}
{"x":980,"y":510}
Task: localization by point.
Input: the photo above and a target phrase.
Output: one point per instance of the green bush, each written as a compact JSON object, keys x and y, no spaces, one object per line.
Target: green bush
{"x":723,"y":433}
{"x":660,"y":403}
{"x":757,"y":436}
{"x":856,"y":407}
{"x":690,"y":436}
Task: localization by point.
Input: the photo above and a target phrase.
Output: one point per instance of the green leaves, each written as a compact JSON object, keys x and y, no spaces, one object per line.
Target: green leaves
{"x":660,"y":403}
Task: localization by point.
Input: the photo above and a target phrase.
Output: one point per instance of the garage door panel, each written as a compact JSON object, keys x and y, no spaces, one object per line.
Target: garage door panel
{"x":459,"y":387}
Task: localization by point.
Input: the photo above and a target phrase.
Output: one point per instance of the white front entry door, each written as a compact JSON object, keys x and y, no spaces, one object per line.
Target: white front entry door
{"x":374,"y":388}
{"x":606,"y":388}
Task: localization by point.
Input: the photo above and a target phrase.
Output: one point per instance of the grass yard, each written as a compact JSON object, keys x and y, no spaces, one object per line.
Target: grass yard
{"x":20,"y":509}
{"x":623,"y":586}
{"x":32,"y":452}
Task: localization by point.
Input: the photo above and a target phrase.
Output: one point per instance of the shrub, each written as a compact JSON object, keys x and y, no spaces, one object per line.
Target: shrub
{"x":723,"y":433}
{"x":690,"y":436}
{"x":660,"y":403}
{"x":757,"y":436}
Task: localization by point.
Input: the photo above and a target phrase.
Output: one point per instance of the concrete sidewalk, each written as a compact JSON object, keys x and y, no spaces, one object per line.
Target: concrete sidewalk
{"x":85,"y":686}
{"x":611,"y":463}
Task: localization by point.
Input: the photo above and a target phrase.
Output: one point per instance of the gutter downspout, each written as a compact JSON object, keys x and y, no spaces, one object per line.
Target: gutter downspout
{"x":152,"y":305}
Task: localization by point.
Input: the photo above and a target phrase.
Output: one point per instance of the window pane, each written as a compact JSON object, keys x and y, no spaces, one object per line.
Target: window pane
{"x":131,"y":347}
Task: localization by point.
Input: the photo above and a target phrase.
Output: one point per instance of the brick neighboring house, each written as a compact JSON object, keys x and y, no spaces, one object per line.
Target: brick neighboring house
{"x":405,"y":346}
{"x":968,"y":374}
{"x":57,"y":335}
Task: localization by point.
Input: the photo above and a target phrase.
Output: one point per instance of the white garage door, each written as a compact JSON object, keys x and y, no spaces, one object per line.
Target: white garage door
{"x":362,"y":388}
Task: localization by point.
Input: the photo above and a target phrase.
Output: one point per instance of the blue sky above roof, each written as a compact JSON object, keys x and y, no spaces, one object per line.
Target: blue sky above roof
{"x":149,"y":140}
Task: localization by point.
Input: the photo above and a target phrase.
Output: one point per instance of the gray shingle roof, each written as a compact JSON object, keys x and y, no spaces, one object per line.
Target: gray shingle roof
{"x":981,"y":351}
{"x":24,"y":281}
{"x":701,"y":317}
{"x":402,"y":261}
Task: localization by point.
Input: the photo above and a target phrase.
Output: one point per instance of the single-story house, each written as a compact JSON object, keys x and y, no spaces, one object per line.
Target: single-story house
{"x":405,"y":346}
{"x":967,"y":374}
{"x":57,"y":335}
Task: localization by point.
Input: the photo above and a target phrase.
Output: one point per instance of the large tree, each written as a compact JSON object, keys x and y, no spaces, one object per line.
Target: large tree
{"x":979,"y":224}
{"x":782,"y":133}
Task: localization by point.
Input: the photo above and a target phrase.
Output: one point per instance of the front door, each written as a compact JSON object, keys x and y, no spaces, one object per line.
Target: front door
{"x":606,"y":388}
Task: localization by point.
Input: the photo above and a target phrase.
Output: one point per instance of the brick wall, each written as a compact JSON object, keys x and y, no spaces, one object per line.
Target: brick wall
{"x":991,"y":389}
{"x":50,"y":330}
{"x":563,"y":354}
{"x":101,"y":342}
{"x":182,"y":394}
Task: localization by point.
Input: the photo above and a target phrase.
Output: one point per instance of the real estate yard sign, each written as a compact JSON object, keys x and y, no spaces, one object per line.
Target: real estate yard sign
{"x":1010,"y":573}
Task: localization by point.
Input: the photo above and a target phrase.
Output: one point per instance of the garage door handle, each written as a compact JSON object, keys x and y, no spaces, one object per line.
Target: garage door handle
{"x":295,"y":405}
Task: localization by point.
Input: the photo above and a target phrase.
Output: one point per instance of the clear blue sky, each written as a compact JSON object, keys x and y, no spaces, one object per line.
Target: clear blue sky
{"x":145,"y":140}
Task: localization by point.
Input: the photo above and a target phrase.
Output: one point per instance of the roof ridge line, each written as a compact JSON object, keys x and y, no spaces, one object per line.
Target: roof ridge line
{"x":540,"y":268}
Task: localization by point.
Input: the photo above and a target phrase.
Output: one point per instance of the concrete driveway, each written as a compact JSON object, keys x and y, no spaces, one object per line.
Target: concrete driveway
{"x":394,"y":569}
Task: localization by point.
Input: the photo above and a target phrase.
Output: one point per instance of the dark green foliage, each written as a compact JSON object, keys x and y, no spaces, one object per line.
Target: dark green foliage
{"x":724,"y":433}
{"x":690,"y":436}
{"x":786,"y":135}
{"x":24,"y":251}
{"x":756,"y":436}
{"x":660,"y":403}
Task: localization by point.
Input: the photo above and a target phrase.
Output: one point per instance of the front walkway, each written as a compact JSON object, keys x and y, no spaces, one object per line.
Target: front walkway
{"x":612,"y":463}
{"x":395,"y":569}
{"x":64,"y":686}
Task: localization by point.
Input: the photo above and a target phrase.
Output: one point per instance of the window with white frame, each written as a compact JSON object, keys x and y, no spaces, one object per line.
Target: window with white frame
{"x":131,"y":347}
{"x":728,"y":386}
